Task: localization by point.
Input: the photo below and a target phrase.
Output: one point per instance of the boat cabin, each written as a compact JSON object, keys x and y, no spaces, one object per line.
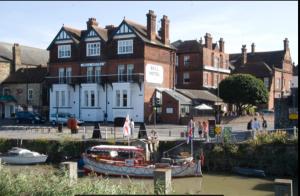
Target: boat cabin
{"x":123,"y":155}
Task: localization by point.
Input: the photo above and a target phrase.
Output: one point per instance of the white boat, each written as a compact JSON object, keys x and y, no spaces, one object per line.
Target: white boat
{"x":21,"y":156}
{"x":130,"y":161}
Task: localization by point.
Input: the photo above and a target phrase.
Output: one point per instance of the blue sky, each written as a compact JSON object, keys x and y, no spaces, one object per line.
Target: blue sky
{"x":264,"y":23}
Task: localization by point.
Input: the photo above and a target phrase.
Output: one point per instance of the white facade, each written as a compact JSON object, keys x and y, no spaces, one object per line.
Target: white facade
{"x":90,"y":101}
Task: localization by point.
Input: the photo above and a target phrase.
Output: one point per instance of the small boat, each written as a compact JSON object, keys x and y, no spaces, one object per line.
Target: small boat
{"x":249,"y":172}
{"x":114,"y":160}
{"x":21,"y":156}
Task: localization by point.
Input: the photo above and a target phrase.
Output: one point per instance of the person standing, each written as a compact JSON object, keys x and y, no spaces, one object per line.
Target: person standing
{"x":200,"y":129}
{"x":132,"y":128}
{"x":264,"y":123}
{"x":255,"y":127}
{"x":191,"y":127}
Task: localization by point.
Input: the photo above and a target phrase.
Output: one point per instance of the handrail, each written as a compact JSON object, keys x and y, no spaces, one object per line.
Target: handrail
{"x":173,"y":148}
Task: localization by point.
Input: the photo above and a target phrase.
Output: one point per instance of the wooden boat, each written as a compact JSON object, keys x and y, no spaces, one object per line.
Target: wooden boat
{"x":21,"y":156}
{"x":130,"y":161}
{"x":249,"y":172}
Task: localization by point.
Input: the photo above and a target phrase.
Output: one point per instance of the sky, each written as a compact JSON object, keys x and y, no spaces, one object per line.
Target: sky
{"x":239,"y":23}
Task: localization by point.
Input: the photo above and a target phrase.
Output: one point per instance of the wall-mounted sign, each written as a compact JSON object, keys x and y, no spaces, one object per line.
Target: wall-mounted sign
{"x":169,"y":110}
{"x":154,"y":74}
{"x":92,"y":64}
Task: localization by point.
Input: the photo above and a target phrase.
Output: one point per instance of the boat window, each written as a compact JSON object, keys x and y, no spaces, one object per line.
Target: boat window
{"x":113,"y":153}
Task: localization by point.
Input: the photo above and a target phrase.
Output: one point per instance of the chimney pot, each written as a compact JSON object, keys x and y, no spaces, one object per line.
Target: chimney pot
{"x":91,"y":22}
{"x":286,"y":44}
{"x":208,"y":41}
{"x":16,"y":57}
{"x":222,"y":45}
{"x":165,"y":30}
{"x":252,"y":48}
{"x":244,"y":54}
{"x":151,"y":25}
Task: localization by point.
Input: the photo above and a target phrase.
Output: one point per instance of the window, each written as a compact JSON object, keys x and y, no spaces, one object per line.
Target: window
{"x":69,"y":98}
{"x":93,"y":49}
{"x":63,"y":98}
{"x":129,"y":72}
{"x":186,"y":60}
{"x":186,"y":77}
{"x":118,"y":98}
{"x":98,"y":74}
{"x":124,"y":29}
{"x":64,"y":51}
{"x":61,"y":75}
{"x":266,"y":82}
{"x":68,"y":75}
{"x":30,"y":94}
{"x":216,"y":80}
{"x":176,"y":60}
{"x":89,"y":74}
{"x":216,"y":62}
{"x":92,"y":34}
{"x":6,"y":91}
{"x":124,"y":98}
{"x":92,"y":98}
{"x":57,"y":98}
{"x":221,"y":61}
{"x":277,"y":83}
{"x":125,"y":46}
{"x":86,"y":98}
{"x":121,"y":71}
{"x":205,"y":78}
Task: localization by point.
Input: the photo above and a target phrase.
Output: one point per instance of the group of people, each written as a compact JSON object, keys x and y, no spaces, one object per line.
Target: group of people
{"x":255,"y":125}
{"x":201,"y":127}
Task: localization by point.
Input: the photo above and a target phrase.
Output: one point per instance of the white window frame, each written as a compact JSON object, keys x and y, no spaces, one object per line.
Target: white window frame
{"x":61,"y":75}
{"x":86,"y":98}
{"x":93,"y":49}
{"x":63,"y":35}
{"x":205,"y":79}
{"x":124,"y":99}
{"x":63,"y":98}
{"x":97,"y":74}
{"x":57,"y":98}
{"x":68,"y":74}
{"x":125,"y":46}
{"x":64,"y":51}
{"x":30,"y":94}
{"x":278,"y":81}
{"x":186,"y":75}
{"x":266,"y":82}
{"x":118,"y":98}
{"x":93,"y":98}
{"x":186,"y":60}
{"x":121,"y":73}
{"x":89,"y":74}
{"x":216,"y":62}
{"x":130,"y":68}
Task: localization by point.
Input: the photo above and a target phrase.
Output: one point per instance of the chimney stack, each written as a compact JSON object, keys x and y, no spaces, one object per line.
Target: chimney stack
{"x":286,"y":44}
{"x":16,"y":57}
{"x":221,"y":44}
{"x":91,"y":22}
{"x":151,"y":25}
{"x":208,"y":41}
{"x":200,"y":41}
{"x":165,"y":22}
{"x":244,"y":54}
{"x":252,"y":48}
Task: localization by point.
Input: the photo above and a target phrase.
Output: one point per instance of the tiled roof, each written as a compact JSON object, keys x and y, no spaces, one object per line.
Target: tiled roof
{"x":102,"y":32}
{"x":27,"y":75}
{"x":199,"y":94}
{"x":189,"y":46}
{"x":270,"y":58}
{"x":29,"y":55}
{"x":258,"y":69}
{"x":183,"y":100}
{"x":74,"y":33}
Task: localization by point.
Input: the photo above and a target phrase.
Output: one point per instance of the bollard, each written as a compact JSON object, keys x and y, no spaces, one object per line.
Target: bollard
{"x":162,"y":181}
{"x":283,"y":187}
{"x":71,"y":169}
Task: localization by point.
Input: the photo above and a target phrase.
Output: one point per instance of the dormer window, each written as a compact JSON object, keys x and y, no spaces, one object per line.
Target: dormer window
{"x":125,"y":46}
{"x":93,"y":49}
{"x":63,"y":35}
{"x":64,"y":51}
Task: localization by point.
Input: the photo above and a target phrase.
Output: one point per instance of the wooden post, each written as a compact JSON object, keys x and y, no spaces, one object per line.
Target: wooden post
{"x":162,"y":181}
{"x":71,"y":169}
{"x":283,"y":187}
{"x":295,"y":131}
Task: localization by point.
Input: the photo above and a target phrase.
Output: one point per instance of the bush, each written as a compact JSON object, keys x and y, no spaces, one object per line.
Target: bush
{"x":277,"y":137}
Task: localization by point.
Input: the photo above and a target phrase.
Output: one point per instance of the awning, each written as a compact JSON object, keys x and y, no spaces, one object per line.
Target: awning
{"x":203,"y":107}
{"x":7,"y":98}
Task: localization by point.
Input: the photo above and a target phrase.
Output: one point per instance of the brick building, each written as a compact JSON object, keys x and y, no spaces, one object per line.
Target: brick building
{"x":201,"y":65}
{"x":274,"y":68}
{"x":102,"y":73}
{"x":14,"y":59}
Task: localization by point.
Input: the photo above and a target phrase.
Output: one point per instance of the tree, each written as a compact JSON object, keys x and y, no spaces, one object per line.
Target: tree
{"x":243,"y":90}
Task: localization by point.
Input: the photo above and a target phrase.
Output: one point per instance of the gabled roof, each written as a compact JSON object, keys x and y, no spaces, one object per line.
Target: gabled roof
{"x":258,"y":69}
{"x":141,"y":31}
{"x":189,"y":46}
{"x":27,"y":75}
{"x":101,"y":32}
{"x":199,"y":94}
{"x":270,"y":58}
{"x":183,"y":100}
{"x":29,"y":55}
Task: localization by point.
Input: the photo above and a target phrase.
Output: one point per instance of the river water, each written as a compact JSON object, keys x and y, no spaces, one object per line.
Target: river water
{"x":210,"y":183}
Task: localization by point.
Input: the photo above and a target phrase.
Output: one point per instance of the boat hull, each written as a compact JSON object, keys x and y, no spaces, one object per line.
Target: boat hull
{"x":19,"y":160}
{"x":90,"y":165}
{"x":249,"y":172}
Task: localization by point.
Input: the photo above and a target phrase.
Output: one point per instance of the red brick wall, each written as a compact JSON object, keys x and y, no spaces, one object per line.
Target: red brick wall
{"x":170,"y":102}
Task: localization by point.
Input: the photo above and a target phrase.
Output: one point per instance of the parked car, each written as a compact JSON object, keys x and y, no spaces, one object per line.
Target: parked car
{"x":29,"y":117}
{"x":62,"y":118}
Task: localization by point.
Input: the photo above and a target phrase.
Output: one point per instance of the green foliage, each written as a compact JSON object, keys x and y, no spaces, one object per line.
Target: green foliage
{"x":48,"y":183}
{"x":243,"y":90}
{"x":277,"y":137}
